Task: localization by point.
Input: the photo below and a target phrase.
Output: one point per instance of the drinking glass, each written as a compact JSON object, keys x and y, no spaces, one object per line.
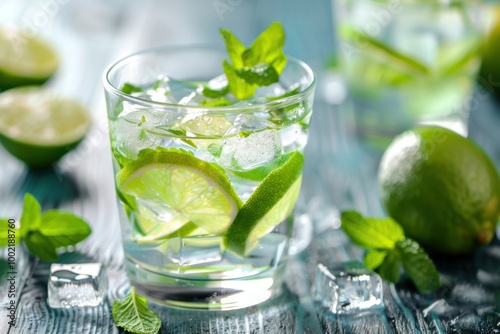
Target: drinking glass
{"x":407,"y":63}
{"x":205,"y":186}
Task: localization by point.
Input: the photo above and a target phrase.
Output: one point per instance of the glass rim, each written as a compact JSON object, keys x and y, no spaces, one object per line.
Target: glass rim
{"x":274,"y":104}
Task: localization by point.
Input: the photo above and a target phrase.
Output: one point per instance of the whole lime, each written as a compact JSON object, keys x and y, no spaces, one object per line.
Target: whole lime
{"x":442,"y":188}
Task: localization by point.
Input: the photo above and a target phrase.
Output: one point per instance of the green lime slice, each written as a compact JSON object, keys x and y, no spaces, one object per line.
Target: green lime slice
{"x":38,"y":127}
{"x":270,"y":204}
{"x":25,"y":60}
{"x":186,"y":187}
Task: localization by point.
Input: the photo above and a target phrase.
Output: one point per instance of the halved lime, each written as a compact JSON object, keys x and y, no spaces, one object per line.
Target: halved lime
{"x":25,"y":60}
{"x":38,"y":127}
{"x":270,"y":204}
{"x":181,"y":187}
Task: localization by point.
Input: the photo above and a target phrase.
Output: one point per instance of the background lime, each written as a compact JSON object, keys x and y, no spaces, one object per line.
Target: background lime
{"x":442,"y":188}
{"x":25,"y":60}
{"x":39,"y":127}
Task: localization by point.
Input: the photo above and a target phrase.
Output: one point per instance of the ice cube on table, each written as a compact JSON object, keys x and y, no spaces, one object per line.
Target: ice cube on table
{"x":76,"y":285}
{"x":251,"y":142}
{"x":348,"y":288}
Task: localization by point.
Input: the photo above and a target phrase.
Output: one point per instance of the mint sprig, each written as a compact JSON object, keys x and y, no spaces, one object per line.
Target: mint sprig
{"x":259,"y":65}
{"x":389,"y":251}
{"x":133,"y":315}
{"x":44,"y":233}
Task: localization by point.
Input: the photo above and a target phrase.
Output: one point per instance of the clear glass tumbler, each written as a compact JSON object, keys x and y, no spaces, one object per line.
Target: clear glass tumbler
{"x":206,"y":187}
{"x":408,"y":62}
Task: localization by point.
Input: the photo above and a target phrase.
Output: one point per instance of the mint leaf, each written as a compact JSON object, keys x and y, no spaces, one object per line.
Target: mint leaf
{"x":262,"y":74}
{"x":418,"y":265}
{"x":128,"y":88}
{"x":57,"y":229}
{"x":237,"y":85}
{"x":215,"y":93}
{"x":133,"y":315}
{"x":9,"y":233}
{"x":216,"y":103}
{"x":267,"y":48}
{"x":234,"y":48}
{"x":37,"y":245}
{"x":389,"y":270}
{"x":388,"y":249}
{"x":259,"y":65}
{"x":30,"y":218}
{"x":378,"y":233}
{"x":374,"y":258}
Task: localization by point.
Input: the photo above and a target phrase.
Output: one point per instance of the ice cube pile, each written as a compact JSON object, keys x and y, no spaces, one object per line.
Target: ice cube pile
{"x":241,"y":140}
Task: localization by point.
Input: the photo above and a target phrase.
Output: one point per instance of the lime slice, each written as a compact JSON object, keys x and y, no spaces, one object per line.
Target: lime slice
{"x":182,"y":186}
{"x":38,"y":127}
{"x":24,"y":60}
{"x":270,"y":204}
{"x":149,"y":227}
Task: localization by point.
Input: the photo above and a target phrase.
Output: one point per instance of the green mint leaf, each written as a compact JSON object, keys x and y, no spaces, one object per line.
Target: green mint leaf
{"x":378,"y":233}
{"x":38,"y":246}
{"x":418,"y":266}
{"x":57,"y":229}
{"x":262,"y":74}
{"x":133,"y":315}
{"x":238,"y":86}
{"x":234,"y":48}
{"x":268,"y":48}
{"x":128,"y":88}
{"x":389,"y":270}
{"x":374,"y":258}
{"x":214,"y":93}
{"x":31,"y":216}
{"x":143,"y":135}
{"x":9,"y":233}
{"x":216,"y":103}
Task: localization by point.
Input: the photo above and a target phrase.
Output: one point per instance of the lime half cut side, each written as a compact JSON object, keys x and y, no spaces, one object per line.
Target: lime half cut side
{"x":182,"y":188}
{"x":38,"y":126}
{"x":25,"y":60}
{"x":270,"y":204}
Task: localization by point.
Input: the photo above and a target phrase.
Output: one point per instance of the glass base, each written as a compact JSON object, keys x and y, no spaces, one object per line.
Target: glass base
{"x":215,"y":294}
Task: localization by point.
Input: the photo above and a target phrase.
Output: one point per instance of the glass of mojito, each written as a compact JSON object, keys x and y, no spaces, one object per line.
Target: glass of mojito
{"x":208,"y":167}
{"x":408,"y":62}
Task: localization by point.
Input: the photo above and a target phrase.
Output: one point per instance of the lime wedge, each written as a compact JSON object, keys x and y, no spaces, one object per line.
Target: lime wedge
{"x":183,"y":187}
{"x":24,"y":60}
{"x":38,"y":127}
{"x":270,"y":204}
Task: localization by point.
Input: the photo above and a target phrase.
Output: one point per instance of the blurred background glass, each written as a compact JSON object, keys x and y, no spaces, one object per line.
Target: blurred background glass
{"x":408,"y":63}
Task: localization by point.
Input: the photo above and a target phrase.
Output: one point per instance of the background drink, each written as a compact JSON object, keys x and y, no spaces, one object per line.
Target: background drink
{"x":408,"y":62}
{"x":172,"y":257}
